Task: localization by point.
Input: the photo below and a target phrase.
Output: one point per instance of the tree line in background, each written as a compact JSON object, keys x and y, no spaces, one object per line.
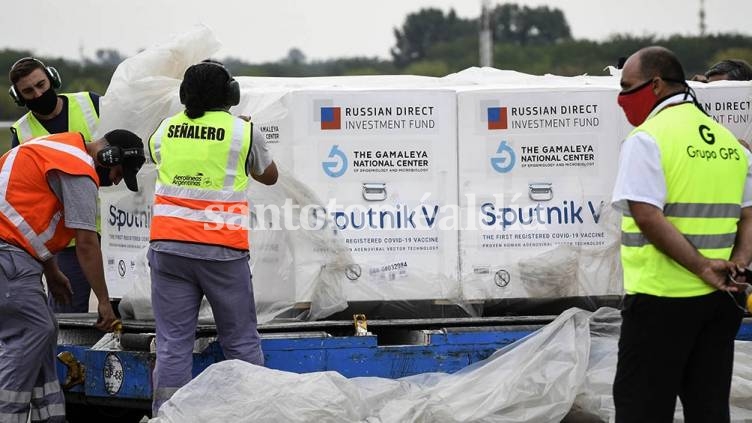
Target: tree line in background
{"x":434,"y":43}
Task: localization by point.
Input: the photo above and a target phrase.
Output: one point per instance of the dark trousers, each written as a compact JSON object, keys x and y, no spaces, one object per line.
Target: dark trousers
{"x":672,"y":347}
{"x":68,"y":263}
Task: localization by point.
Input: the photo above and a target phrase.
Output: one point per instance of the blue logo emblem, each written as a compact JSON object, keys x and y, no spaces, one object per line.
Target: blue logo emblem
{"x":504,"y":159}
{"x":338,"y":165}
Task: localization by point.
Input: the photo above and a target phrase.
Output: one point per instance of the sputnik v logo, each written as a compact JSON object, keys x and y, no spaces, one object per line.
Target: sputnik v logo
{"x":504,"y":159}
{"x":339,"y":159}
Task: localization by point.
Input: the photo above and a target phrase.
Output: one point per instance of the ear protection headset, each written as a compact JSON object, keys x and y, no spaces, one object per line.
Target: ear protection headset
{"x":51,"y":73}
{"x":113,"y":155}
{"x":231,"y":89}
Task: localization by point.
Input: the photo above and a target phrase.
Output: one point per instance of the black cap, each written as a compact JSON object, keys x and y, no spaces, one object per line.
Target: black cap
{"x":130,"y":154}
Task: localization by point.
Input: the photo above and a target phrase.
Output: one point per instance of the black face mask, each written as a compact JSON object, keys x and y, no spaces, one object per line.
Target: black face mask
{"x":44,"y":104}
{"x":104,"y":176}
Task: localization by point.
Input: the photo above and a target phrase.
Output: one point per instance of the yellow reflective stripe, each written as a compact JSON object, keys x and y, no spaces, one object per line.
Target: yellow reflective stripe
{"x":12,"y":214}
{"x":87,"y":109}
{"x":233,"y":156}
{"x":199,"y":194}
{"x":205,"y":216}
{"x":157,"y":144}
{"x":15,"y":396}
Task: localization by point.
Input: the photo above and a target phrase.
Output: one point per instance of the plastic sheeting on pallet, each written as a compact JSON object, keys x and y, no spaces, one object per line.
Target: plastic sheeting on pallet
{"x":568,"y":365}
{"x":289,"y":266}
{"x":314,"y":273}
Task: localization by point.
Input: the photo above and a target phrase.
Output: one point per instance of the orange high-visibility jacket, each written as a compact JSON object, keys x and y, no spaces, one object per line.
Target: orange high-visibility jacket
{"x":200,"y":194}
{"x":31,"y":215}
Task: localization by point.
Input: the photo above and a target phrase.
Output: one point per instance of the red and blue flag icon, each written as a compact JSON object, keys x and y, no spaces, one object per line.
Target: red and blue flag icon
{"x":330,"y":118}
{"x":497,"y":118}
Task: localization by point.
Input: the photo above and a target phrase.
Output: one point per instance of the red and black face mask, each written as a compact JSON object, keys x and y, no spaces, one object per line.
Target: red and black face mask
{"x":638,"y":102}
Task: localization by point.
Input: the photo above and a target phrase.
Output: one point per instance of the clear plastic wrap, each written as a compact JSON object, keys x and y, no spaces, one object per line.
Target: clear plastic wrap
{"x":564,"y":371}
{"x":529,"y":381}
{"x":319,"y":273}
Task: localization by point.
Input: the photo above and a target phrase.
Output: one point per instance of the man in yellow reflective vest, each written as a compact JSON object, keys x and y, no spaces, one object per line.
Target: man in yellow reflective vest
{"x":685,"y":190}
{"x":33,"y":86}
{"x":200,"y":222}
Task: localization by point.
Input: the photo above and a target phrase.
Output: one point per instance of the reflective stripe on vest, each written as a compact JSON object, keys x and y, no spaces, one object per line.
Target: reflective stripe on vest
{"x":698,"y":241}
{"x":214,"y":208}
{"x":87,"y":110}
{"x":700,"y":208}
{"x":216,"y":218}
{"x":23,"y":128}
{"x":156,"y":155}
{"x":199,"y":194}
{"x":37,"y":241}
{"x":82,"y":117}
{"x":697,"y":210}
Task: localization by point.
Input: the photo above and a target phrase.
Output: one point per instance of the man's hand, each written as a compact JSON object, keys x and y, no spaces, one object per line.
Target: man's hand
{"x":59,"y":286}
{"x":90,"y":258}
{"x":716,"y":273}
{"x":106,"y":318}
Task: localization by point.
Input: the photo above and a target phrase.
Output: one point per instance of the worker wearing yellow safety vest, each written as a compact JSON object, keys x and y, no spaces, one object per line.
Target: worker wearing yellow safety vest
{"x":33,"y":86}
{"x":199,"y":228}
{"x":48,"y":192}
{"x":685,"y":189}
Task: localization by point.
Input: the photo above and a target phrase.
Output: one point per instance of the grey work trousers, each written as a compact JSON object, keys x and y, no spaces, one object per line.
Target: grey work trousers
{"x":178,"y":285}
{"x":28,"y":338}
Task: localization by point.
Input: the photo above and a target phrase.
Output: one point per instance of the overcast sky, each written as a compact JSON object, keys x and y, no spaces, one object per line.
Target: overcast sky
{"x":264,"y":30}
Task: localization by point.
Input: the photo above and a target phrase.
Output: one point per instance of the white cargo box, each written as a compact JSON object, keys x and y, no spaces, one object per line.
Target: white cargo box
{"x":730,"y":104}
{"x":383,"y":163}
{"x":536,"y":173}
{"x":497,"y":188}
